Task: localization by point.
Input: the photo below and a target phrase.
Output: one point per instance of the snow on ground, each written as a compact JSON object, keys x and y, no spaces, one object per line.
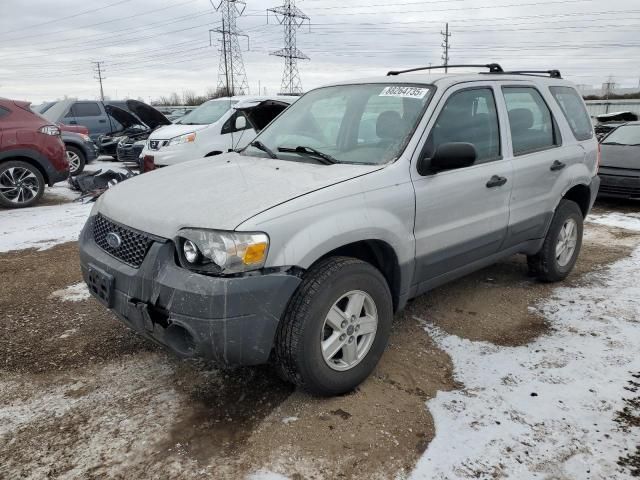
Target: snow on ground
{"x":630,"y":221}
{"x":45,"y":226}
{"x":41,"y":227}
{"x":547,"y":409}
{"x":73,"y":293}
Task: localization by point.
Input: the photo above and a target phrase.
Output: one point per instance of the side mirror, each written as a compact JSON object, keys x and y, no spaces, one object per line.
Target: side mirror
{"x":448,"y":156}
{"x":241,"y":122}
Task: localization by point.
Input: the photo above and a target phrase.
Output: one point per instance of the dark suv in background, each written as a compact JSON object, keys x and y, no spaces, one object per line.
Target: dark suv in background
{"x":32,"y":155}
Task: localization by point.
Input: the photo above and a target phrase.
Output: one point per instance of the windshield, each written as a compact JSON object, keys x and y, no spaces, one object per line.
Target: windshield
{"x":207,"y":113}
{"x":625,"y":135}
{"x":368,"y":124}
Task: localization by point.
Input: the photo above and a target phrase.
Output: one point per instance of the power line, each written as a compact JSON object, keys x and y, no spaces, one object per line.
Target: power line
{"x":64,"y":18}
{"x":97,"y":68}
{"x":231,"y":73}
{"x":292,"y":18}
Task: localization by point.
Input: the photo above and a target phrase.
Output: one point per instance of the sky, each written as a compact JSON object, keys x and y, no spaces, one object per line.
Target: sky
{"x":151,"y":48}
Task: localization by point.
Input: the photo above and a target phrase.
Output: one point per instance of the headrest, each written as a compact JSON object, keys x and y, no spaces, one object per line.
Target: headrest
{"x":521,"y":119}
{"x":390,"y":125}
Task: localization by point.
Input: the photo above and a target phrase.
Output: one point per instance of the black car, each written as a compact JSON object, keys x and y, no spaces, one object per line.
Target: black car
{"x":620,"y":162}
{"x":138,"y":120}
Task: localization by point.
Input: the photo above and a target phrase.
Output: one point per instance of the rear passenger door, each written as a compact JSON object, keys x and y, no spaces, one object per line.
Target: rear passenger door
{"x":462,"y":214}
{"x":538,"y":160}
{"x":92,"y":116}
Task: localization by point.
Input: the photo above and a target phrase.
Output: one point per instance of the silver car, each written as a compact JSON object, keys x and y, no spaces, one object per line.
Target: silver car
{"x":300,"y":248}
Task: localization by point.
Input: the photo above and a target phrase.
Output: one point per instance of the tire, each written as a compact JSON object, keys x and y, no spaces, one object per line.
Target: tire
{"x":21,"y":184}
{"x":547,"y":265}
{"x":77,"y":156}
{"x":305,"y":327}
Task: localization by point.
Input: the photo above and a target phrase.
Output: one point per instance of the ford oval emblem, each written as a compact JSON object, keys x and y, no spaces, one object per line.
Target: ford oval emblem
{"x":113,"y":240}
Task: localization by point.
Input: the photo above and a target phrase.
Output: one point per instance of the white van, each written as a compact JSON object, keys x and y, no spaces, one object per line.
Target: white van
{"x":215,"y":127}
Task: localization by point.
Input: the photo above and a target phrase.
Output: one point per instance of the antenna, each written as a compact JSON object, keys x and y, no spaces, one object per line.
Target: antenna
{"x":292,"y":18}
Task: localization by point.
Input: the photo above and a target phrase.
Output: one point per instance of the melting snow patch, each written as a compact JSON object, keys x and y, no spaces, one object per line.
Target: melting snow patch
{"x":41,"y":227}
{"x":629,"y":221}
{"x":544,"y":410}
{"x":264,"y":475}
{"x":288,"y":420}
{"x":73,"y":293}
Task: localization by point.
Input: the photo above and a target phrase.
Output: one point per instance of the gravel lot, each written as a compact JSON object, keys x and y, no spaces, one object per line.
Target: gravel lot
{"x":81,"y":396}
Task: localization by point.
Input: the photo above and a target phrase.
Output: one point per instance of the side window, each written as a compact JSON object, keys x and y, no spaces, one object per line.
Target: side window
{"x":71,"y":113}
{"x":574,"y":111}
{"x":530,"y":120}
{"x":230,"y":125}
{"x":4,"y":112}
{"x":86,"y":109}
{"x":469,"y":116}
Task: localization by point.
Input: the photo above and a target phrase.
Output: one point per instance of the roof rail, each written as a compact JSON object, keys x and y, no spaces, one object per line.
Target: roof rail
{"x":493,"y":68}
{"x":551,"y":73}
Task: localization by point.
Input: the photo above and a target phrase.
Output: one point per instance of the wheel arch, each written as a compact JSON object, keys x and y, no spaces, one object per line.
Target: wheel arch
{"x":580,"y":194}
{"x":381,"y":255}
{"x":31,"y":161}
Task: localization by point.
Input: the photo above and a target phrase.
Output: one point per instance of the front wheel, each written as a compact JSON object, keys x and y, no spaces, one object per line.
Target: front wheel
{"x":336,"y":327}
{"x":561,"y":246}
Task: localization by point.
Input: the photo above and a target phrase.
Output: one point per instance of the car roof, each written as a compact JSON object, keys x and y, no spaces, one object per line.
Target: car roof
{"x":447,"y":80}
{"x":258,"y":98}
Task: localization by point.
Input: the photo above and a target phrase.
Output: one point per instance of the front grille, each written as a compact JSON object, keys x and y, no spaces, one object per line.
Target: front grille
{"x":133,"y":245}
{"x":129,"y":153}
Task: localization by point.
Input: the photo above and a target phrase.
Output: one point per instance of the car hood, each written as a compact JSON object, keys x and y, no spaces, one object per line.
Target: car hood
{"x":149,"y":115}
{"x":620,"y":156}
{"x":124,"y":118}
{"x":174,"y":130}
{"x":216,"y":193}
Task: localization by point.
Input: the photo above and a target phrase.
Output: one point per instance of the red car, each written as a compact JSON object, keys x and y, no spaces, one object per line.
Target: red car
{"x":32,"y":155}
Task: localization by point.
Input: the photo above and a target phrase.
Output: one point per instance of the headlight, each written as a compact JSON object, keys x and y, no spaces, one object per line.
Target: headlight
{"x":217,"y":251}
{"x":186,"y":138}
{"x":49,"y":130}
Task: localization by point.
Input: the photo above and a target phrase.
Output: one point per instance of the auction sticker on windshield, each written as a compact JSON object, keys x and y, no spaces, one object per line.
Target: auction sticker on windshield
{"x":409,"y":92}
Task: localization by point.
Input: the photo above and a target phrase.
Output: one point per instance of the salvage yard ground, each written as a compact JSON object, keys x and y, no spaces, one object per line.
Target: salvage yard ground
{"x":492,"y":376}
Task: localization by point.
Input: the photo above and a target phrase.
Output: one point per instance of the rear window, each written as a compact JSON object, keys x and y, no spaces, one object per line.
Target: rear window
{"x":574,"y":111}
{"x":624,"y":135}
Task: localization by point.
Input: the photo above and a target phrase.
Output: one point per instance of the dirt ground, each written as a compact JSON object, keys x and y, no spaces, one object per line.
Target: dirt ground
{"x":84,"y":397}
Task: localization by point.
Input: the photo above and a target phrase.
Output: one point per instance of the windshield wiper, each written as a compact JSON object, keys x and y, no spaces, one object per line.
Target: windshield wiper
{"x":613,"y":143}
{"x":261,"y":146}
{"x":321,"y":156}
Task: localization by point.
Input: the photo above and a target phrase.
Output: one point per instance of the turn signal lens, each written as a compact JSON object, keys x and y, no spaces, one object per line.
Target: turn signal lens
{"x":255,"y":253}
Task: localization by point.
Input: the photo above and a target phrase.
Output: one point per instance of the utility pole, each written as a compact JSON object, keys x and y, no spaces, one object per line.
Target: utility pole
{"x":97,"y":67}
{"x":292,"y":18}
{"x":231,"y":72}
{"x":445,"y":45}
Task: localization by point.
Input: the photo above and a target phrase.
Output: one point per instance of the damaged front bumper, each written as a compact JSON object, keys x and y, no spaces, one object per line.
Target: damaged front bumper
{"x":231,"y":320}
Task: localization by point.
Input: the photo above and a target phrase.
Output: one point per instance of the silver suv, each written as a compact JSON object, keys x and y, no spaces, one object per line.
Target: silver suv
{"x":300,"y":248}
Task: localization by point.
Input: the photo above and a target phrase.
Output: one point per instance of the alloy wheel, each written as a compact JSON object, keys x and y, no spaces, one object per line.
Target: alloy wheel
{"x":349,"y":330}
{"x":74,"y":161}
{"x":567,"y":240}
{"x":18,"y":185}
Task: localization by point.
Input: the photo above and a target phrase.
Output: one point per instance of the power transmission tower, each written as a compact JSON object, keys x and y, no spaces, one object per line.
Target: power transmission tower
{"x":97,"y":67}
{"x":445,"y":46}
{"x":231,"y":73}
{"x":292,"y":18}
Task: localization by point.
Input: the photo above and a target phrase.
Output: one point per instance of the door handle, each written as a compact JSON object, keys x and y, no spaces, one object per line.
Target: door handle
{"x":496,"y":181}
{"x":73,"y":122}
{"x":557,"y":165}
{"x":102,"y":120}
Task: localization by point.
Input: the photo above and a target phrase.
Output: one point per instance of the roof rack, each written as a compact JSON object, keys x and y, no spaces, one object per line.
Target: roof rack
{"x":551,"y":73}
{"x":493,"y":68}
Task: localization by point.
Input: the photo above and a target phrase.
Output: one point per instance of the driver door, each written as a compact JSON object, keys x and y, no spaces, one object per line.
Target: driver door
{"x":462,"y":214}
